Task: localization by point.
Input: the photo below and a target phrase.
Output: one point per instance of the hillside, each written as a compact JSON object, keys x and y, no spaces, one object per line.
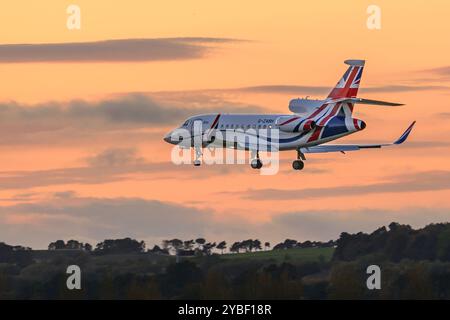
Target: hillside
{"x":288,"y":255}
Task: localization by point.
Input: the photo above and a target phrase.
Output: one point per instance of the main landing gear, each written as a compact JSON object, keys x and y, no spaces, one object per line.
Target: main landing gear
{"x":299,"y":164}
{"x":256,"y":163}
{"x":198,"y":154}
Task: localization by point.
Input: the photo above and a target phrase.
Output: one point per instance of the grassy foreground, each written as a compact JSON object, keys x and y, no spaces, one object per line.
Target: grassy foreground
{"x":299,"y":255}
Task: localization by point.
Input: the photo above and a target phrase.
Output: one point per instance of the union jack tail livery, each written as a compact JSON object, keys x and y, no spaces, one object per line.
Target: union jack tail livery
{"x":348,"y":85}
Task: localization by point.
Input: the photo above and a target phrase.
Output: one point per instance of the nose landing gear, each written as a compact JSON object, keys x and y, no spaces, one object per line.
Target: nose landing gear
{"x":256,"y":163}
{"x":198,"y":154}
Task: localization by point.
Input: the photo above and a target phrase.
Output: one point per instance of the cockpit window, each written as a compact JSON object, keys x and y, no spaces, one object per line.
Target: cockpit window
{"x":185,"y":124}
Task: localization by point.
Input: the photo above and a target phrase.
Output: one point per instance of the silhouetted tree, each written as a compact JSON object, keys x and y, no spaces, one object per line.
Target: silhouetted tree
{"x":247,"y":245}
{"x":287,"y":244}
{"x":57,"y":245}
{"x":306,"y":244}
{"x":235,"y":247}
{"x":126,"y":245}
{"x":176,"y":243}
{"x":256,"y":245}
{"x":200,"y":242}
{"x":207,"y":247}
{"x":188,"y":245}
{"x":396,"y":243}
{"x":222,"y":246}
{"x":10,"y":255}
{"x":74,"y":245}
{"x":156,"y":249}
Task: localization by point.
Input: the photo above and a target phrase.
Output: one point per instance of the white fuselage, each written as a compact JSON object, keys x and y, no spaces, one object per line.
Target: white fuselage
{"x":224,"y":128}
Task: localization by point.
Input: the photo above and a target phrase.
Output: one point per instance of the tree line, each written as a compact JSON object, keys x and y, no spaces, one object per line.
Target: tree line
{"x":394,"y":243}
{"x":180,"y":247}
{"x":397,"y":242}
{"x":192,"y":247}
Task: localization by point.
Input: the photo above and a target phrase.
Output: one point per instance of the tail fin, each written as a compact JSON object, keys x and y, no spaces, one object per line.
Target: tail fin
{"x":348,"y":85}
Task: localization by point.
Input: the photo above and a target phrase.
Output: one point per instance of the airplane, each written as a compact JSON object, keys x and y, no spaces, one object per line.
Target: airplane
{"x":312,"y":124}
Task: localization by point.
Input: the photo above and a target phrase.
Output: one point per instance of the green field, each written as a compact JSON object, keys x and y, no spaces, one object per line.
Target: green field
{"x":298,"y":255}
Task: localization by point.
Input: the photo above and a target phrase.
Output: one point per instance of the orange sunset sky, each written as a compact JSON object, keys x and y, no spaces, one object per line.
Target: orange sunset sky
{"x":81,"y":126}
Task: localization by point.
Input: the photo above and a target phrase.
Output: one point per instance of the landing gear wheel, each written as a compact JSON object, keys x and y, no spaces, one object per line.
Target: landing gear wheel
{"x":298,"y":165}
{"x":256,"y":164}
{"x":197,"y":163}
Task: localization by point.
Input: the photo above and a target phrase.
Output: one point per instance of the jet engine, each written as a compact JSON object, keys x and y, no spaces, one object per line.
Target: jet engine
{"x":294,"y":124}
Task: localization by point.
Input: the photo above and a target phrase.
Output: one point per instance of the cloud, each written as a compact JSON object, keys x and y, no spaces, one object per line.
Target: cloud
{"x":23,"y":197}
{"x":94,"y":219}
{"x":443,"y":115}
{"x":11,"y":180}
{"x":432,"y":75}
{"x":403,"y":88}
{"x":110,"y":165}
{"x":299,"y":89}
{"x":99,"y":218}
{"x":65,"y":194}
{"x":284,"y":89}
{"x":443,"y":72}
{"x":415,"y":182}
{"x":80,"y":120}
{"x":326,"y":224}
{"x":121,"y":50}
{"x":116,"y":157}
{"x":137,"y":110}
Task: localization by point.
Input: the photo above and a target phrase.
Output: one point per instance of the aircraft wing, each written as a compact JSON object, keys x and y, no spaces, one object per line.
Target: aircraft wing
{"x":354,"y":147}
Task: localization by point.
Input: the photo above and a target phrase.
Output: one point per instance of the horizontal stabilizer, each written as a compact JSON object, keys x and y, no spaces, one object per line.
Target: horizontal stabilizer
{"x":372,"y":102}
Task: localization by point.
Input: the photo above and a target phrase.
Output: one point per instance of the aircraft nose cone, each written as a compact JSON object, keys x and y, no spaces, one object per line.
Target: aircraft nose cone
{"x":167,"y":138}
